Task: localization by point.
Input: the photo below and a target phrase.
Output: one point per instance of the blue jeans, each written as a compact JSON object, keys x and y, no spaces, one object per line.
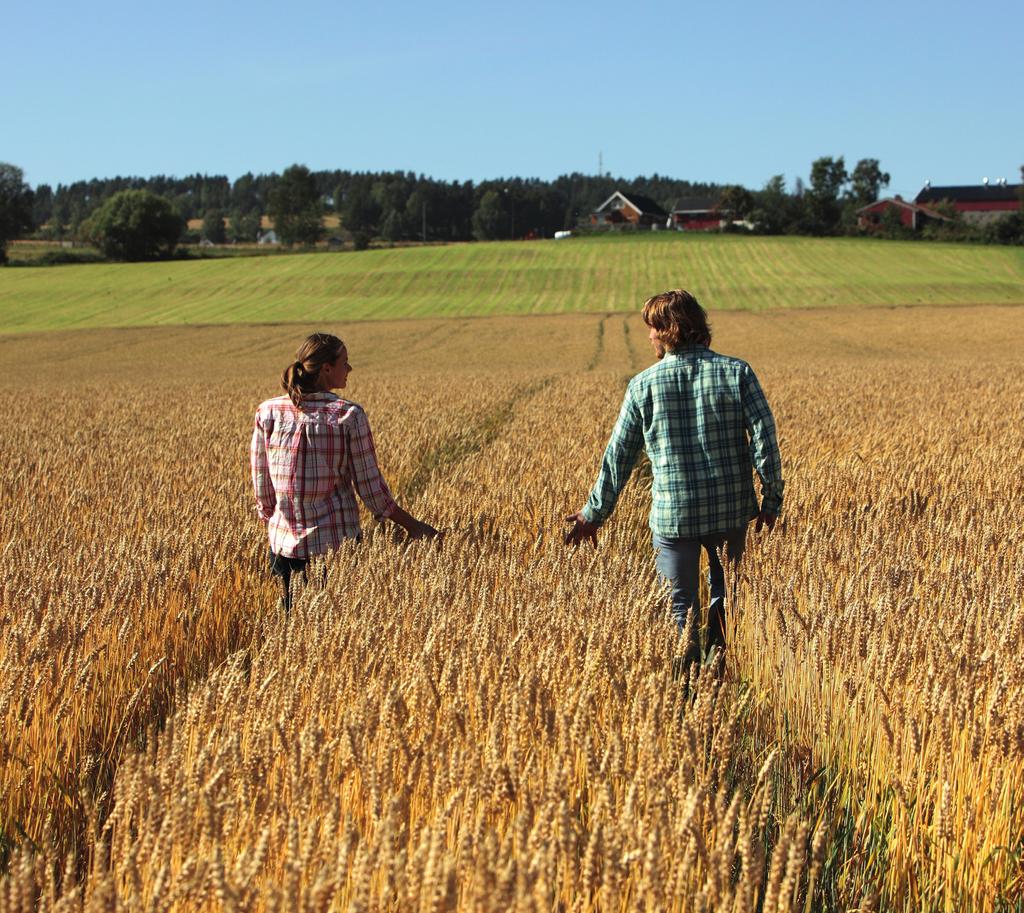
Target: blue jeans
{"x":678,"y":565}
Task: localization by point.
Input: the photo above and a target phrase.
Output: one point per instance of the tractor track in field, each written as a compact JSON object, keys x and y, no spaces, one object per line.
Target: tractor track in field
{"x":630,"y":346}
{"x":462,"y":445}
{"x":595,"y":359}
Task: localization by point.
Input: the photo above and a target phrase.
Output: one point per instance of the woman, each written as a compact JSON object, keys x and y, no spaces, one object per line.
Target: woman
{"x":311,"y":451}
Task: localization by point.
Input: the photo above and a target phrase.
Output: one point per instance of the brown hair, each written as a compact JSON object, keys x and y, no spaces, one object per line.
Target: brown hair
{"x":302,"y":376}
{"x":678,"y":319}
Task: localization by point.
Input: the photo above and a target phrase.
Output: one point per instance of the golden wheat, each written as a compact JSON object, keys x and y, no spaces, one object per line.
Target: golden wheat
{"x":494,"y":725}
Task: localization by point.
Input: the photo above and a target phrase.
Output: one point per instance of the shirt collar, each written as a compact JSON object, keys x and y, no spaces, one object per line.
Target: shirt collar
{"x":321,"y":394}
{"x":692,"y":349}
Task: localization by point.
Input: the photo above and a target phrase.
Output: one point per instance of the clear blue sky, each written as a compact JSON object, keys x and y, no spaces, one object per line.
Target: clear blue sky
{"x":726,"y":92}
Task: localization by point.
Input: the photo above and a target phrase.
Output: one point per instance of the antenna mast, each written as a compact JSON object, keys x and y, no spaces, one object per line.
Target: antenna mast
{"x":600,"y":164}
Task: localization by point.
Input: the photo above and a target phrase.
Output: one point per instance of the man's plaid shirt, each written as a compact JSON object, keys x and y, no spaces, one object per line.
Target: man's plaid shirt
{"x":705,"y":423}
{"x":305,"y":463}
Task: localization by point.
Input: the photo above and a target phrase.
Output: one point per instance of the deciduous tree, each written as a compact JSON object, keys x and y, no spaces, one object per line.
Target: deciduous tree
{"x":213,"y":226}
{"x":736,"y":203}
{"x":774,"y":210}
{"x":294,"y":206}
{"x":821,"y":202}
{"x":245,"y":225}
{"x":15,"y":206}
{"x":490,"y":221}
{"x":867,"y":181}
{"x":136,"y":225}
{"x":360,"y":212}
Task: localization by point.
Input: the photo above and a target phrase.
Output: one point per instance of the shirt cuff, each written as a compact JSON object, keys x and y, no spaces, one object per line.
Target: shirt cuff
{"x":387,"y":512}
{"x":591,"y":517}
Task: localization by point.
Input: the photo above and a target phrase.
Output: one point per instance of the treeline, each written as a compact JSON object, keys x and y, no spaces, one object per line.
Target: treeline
{"x":394,"y":206}
{"x":403,"y":206}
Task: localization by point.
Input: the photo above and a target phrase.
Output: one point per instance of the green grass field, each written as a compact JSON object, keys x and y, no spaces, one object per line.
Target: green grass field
{"x":582,"y":274}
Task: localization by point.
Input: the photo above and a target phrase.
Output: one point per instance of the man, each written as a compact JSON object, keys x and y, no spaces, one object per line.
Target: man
{"x":705,"y":423}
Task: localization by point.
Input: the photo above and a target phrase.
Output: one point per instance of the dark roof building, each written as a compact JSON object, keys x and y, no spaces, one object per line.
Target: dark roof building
{"x":976,"y":202}
{"x":695,"y":204}
{"x":642,"y":204}
{"x":696,"y":214}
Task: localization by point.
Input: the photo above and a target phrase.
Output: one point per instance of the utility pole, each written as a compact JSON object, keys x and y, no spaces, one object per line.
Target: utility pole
{"x":512,"y":207}
{"x":600,"y":164}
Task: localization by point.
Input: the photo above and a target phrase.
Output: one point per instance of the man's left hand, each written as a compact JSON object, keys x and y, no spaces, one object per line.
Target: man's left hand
{"x":581,"y":530}
{"x":765,"y":519}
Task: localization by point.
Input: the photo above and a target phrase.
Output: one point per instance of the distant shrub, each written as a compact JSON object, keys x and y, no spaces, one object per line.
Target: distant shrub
{"x":59,"y":257}
{"x":1007,"y":230}
{"x":62,"y":258}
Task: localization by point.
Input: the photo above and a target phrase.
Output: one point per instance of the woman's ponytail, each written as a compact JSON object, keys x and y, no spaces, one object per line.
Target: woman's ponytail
{"x":291,"y":380}
{"x":302,"y":376}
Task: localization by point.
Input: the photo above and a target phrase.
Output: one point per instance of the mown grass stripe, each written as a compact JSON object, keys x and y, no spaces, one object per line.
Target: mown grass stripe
{"x":582,"y":275}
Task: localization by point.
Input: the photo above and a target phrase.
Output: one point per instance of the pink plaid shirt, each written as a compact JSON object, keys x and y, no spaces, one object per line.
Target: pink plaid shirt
{"x":305,"y":464}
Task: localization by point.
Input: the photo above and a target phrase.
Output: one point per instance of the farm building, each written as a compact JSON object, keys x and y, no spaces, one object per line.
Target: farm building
{"x":978,"y":203}
{"x":633,"y":211}
{"x":696,"y":214}
{"x":912,"y":215}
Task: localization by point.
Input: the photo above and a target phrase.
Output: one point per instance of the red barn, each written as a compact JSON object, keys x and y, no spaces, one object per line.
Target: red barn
{"x":634,"y":210}
{"x":979,"y":203}
{"x":696,"y":214}
{"x":911,"y":214}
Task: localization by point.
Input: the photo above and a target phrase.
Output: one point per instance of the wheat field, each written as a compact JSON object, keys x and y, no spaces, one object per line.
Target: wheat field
{"x":493,"y":724}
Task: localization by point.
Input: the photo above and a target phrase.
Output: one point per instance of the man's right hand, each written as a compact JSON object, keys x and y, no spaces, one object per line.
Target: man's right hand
{"x":416,"y":529}
{"x":581,"y":530}
{"x":765,"y":519}
{"x":421,"y":530}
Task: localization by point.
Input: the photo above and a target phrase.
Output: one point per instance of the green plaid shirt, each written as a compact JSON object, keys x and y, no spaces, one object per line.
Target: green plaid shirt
{"x":705,"y":423}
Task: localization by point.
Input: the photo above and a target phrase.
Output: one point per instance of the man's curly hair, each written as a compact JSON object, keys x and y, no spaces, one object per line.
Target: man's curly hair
{"x":678,"y":319}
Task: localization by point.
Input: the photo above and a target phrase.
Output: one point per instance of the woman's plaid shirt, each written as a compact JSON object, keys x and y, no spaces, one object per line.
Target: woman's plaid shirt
{"x":705,"y":423}
{"x":305,"y":464}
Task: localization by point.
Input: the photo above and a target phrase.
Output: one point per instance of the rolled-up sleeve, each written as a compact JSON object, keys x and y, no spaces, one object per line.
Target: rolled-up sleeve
{"x":370,"y":484}
{"x":263,"y":487}
{"x":764,"y":446}
{"x":619,"y":458}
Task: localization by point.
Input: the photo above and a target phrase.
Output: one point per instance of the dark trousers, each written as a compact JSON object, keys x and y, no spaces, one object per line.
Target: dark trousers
{"x":678,"y":564}
{"x":282,"y":567}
